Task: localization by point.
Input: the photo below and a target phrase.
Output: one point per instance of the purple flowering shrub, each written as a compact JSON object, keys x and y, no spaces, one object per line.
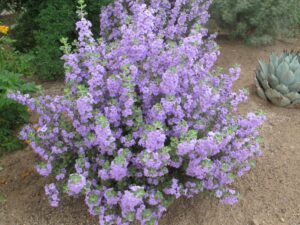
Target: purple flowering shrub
{"x":145,"y":119}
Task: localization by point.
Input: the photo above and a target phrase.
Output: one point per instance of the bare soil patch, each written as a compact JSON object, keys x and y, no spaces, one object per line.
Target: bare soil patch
{"x":270,"y":192}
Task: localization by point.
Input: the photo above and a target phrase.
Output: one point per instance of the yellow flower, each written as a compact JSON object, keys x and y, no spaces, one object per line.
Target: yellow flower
{"x":4,"y":29}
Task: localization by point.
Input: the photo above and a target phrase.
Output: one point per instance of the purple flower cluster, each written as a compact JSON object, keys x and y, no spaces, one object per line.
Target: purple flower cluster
{"x":52,"y":193}
{"x":145,"y":118}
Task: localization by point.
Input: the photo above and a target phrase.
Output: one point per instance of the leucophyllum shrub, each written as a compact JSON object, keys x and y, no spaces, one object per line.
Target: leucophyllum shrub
{"x":144,"y":119}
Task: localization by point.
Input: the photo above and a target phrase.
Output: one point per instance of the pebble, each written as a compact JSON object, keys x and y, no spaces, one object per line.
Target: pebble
{"x":254,"y":222}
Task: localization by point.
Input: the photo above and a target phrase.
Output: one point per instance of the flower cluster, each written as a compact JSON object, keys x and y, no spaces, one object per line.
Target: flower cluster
{"x":144,"y":119}
{"x":52,"y":193}
{"x":4,"y":29}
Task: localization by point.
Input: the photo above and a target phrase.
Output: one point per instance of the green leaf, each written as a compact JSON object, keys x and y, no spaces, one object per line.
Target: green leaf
{"x":140,"y":193}
{"x":111,"y":193}
{"x":151,"y":222}
{"x":2,"y":199}
{"x":119,"y":160}
{"x":253,"y":163}
{"x":158,"y":195}
{"x":130,"y":216}
{"x":102,"y":120}
{"x":173,"y":69}
{"x":190,"y":135}
{"x":225,"y":167}
{"x":93,"y":198}
{"x":97,"y":210}
{"x":147,"y":214}
{"x":75,"y":178}
{"x":231,"y":176}
{"x":206,"y":163}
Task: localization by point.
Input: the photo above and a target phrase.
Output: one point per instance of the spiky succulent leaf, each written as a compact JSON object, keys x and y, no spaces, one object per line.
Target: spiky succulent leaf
{"x":274,"y":60}
{"x":282,"y":89}
{"x":295,"y":87}
{"x":293,"y":96}
{"x":273,"y":81}
{"x":264,"y":69}
{"x":272,"y":69}
{"x":287,"y":78}
{"x":282,"y":69}
{"x":297,"y":75}
{"x":260,"y":91}
{"x":295,"y":64}
{"x":277,"y":98}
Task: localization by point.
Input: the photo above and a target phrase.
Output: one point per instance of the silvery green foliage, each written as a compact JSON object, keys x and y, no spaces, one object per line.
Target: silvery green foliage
{"x":279,"y":81}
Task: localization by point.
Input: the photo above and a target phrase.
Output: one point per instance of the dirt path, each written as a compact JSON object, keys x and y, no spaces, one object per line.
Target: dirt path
{"x":270,"y":192}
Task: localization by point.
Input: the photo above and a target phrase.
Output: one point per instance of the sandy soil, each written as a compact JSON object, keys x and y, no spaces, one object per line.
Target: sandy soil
{"x":270,"y":192}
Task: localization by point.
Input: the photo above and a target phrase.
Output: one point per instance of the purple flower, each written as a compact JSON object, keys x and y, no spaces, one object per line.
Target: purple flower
{"x":93,"y":198}
{"x":111,"y":196}
{"x":186,"y":147}
{"x":44,"y":169}
{"x":52,"y":193}
{"x":118,"y":172}
{"x":155,"y":140}
{"x":175,"y":189}
{"x":76,"y":183}
{"x":230,"y":200}
{"x":169,"y":83}
{"x":61,"y":175}
{"x":129,"y":202}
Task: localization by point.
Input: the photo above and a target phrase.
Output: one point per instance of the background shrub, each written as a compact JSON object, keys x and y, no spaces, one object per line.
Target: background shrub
{"x":15,"y":5}
{"x":256,"y":21}
{"x":54,"y":21}
{"x":26,"y":25}
{"x":12,"y":114}
{"x":14,"y":61}
{"x":41,"y":27}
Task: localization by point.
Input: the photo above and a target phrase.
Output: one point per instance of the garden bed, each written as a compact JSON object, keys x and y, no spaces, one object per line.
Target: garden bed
{"x":270,"y":192}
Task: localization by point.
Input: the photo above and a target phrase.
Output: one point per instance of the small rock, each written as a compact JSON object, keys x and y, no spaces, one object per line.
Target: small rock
{"x":3,"y":181}
{"x":283,"y":210}
{"x":254,"y":222}
{"x":282,"y":220}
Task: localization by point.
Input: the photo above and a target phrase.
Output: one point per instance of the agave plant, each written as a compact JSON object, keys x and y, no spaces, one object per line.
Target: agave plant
{"x":279,"y":81}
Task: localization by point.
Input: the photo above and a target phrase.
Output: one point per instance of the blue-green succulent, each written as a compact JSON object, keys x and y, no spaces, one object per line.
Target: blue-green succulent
{"x":279,"y":80}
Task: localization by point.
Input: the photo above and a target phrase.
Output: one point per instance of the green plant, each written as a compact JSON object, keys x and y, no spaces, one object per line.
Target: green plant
{"x":279,"y":81}
{"x":12,"y":114}
{"x":26,"y":25}
{"x":42,"y":26}
{"x":55,"y":21}
{"x":255,"y":21}
{"x":12,"y":4}
{"x":12,"y":60}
